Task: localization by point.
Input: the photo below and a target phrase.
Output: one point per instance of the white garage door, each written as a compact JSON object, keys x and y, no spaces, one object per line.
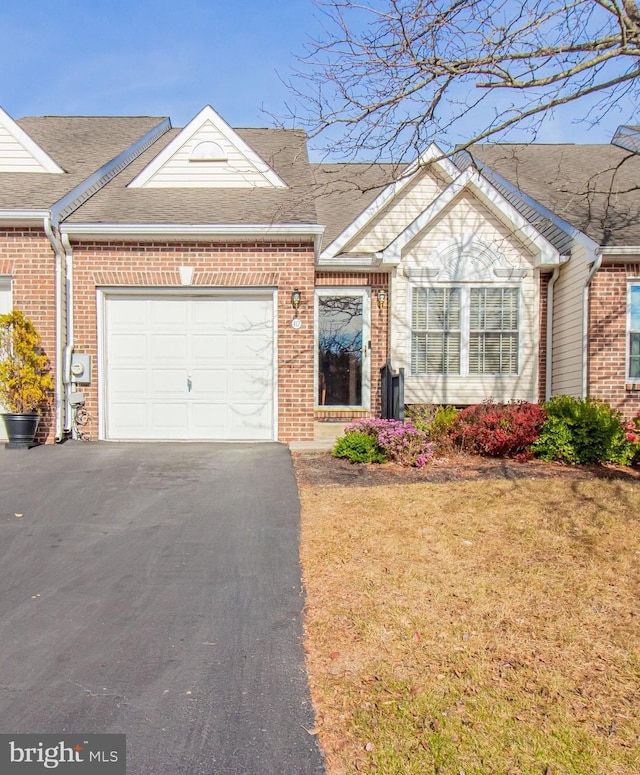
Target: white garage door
{"x":189,"y":368}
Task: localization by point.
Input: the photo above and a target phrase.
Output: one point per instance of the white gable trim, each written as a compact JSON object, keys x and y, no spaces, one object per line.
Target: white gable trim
{"x":388,"y":193}
{"x":45,"y":161}
{"x":470,"y":178}
{"x":196,"y":123}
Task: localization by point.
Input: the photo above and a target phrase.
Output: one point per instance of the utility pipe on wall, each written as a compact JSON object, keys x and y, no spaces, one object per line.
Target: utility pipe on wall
{"x":70,"y":339}
{"x":60,"y":328}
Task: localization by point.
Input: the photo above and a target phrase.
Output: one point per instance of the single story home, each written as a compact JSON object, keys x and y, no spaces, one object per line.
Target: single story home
{"x":207,"y":282}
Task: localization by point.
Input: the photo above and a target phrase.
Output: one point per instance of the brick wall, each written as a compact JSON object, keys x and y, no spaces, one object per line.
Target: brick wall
{"x":542,"y":326}
{"x":26,"y":255}
{"x":286,"y":266}
{"x":379,"y":334}
{"x":608,"y":338}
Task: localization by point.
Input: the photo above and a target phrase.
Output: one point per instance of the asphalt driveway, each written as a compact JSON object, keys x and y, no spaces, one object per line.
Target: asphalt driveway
{"x":154,"y":590}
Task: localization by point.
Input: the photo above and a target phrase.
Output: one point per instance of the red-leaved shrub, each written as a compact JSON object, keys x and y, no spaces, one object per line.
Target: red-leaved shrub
{"x":499,"y":430}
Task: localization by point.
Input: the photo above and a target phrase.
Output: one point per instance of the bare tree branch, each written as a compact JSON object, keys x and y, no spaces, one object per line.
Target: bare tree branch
{"x":386,"y":75}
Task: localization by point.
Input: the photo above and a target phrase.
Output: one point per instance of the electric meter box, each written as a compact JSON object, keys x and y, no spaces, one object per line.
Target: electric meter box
{"x":81,"y":369}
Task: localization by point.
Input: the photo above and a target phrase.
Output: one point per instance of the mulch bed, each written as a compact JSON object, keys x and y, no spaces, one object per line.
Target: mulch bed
{"x":321,"y":469}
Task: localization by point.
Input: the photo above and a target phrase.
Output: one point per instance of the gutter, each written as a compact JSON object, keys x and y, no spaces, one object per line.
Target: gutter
{"x":60,"y":402}
{"x":549,"y":354}
{"x":70,"y":327}
{"x":585,"y":323}
{"x":195,"y":229}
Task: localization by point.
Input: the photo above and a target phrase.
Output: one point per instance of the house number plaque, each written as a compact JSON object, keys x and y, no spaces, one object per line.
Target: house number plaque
{"x":296,"y":323}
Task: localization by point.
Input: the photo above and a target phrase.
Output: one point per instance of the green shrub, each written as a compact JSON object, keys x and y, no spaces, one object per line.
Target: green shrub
{"x":434,"y":419}
{"x":359,"y":447}
{"x":583,"y":431}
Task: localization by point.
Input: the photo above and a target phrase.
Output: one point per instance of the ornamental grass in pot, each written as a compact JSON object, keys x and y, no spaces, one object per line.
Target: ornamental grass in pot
{"x":25,"y":382}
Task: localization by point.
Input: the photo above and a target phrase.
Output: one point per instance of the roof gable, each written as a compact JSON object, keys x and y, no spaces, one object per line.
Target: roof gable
{"x":207,"y":153}
{"x":19,"y":153}
{"x":366,"y":217}
{"x":473,"y":180}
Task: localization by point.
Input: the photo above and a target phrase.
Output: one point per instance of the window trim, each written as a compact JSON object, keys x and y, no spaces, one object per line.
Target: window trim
{"x":635,"y":282}
{"x":465,"y":327}
{"x":6,"y":286}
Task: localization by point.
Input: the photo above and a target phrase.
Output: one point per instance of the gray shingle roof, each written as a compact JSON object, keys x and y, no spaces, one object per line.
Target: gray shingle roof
{"x":595,"y":188}
{"x":283,"y":149}
{"x":79,"y":145}
{"x":343,"y":191}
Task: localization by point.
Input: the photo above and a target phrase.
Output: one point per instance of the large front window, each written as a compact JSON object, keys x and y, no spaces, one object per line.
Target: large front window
{"x":634,"y":332}
{"x":464,"y":330}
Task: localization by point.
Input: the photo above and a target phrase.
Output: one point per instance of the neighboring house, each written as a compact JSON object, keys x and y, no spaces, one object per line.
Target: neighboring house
{"x":214,"y":284}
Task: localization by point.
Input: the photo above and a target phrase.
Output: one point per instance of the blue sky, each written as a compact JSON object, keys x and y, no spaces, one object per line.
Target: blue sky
{"x":136,"y":57}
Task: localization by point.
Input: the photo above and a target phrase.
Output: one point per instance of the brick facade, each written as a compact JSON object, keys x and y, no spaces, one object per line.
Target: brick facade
{"x":231,"y":265}
{"x":27,"y":257}
{"x":607,"y":373}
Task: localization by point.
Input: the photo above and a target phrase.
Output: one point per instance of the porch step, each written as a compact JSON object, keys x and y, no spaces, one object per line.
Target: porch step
{"x":324,"y":437}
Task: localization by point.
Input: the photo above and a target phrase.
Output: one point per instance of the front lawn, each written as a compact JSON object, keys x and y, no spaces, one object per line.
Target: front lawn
{"x":481,"y":627}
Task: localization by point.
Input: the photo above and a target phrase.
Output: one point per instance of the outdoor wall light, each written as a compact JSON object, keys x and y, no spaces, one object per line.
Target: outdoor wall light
{"x":296,"y":298}
{"x":381,"y":298}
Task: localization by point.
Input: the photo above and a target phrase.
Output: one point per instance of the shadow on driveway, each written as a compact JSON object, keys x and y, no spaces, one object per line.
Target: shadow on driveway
{"x":154,"y":590}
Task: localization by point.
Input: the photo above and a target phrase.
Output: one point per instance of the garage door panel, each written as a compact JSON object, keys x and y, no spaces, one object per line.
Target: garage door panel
{"x":248,"y":349}
{"x":128,"y":381}
{"x":168,"y":347}
{"x":171,"y":381}
{"x":214,"y":382}
{"x":132,"y":415}
{"x":168,"y":313}
{"x":210,"y":347}
{"x":127,"y":348}
{"x":170,"y":417}
{"x":252,"y":383}
{"x":125,"y":315}
{"x":224,"y":344}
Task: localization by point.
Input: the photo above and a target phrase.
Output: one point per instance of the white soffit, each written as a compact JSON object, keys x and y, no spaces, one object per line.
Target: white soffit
{"x":19,"y":153}
{"x":188,"y":161}
{"x":387,"y":194}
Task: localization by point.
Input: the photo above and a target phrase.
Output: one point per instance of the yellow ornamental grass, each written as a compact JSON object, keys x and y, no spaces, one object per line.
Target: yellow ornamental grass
{"x":25,"y":381}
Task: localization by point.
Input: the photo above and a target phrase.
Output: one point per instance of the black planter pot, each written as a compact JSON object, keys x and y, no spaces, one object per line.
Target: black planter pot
{"x":21,"y":429}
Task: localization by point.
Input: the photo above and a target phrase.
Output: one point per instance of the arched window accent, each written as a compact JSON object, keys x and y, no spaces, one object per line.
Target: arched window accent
{"x":208,"y":151}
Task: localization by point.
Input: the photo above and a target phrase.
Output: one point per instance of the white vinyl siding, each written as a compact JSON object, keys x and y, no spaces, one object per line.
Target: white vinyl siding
{"x":493,"y":336}
{"x":232,"y":170}
{"x":634,"y":332}
{"x":435,"y":331}
{"x":395,"y":218}
{"x":568,"y":305}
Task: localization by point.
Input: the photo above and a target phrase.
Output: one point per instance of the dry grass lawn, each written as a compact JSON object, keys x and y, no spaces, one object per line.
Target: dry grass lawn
{"x":484,"y":628}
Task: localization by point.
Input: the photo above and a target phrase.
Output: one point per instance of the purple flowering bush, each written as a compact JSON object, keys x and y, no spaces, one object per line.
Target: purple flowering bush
{"x":401,"y":442}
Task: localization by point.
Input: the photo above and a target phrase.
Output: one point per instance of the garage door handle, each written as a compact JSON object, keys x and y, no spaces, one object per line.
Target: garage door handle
{"x":189,"y":383}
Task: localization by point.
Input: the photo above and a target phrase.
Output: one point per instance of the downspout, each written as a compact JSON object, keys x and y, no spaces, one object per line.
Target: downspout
{"x":59,"y":298}
{"x":585,"y":324}
{"x":549,"y":356}
{"x":70,"y":327}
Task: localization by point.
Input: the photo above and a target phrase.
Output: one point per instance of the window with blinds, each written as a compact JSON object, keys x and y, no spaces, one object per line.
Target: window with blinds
{"x":482,"y":323}
{"x":435,"y":345}
{"x":634,"y":332}
{"x":493,"y":331}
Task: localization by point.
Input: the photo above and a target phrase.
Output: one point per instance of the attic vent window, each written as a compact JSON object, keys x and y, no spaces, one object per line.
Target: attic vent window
{"x":208,"y":151}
